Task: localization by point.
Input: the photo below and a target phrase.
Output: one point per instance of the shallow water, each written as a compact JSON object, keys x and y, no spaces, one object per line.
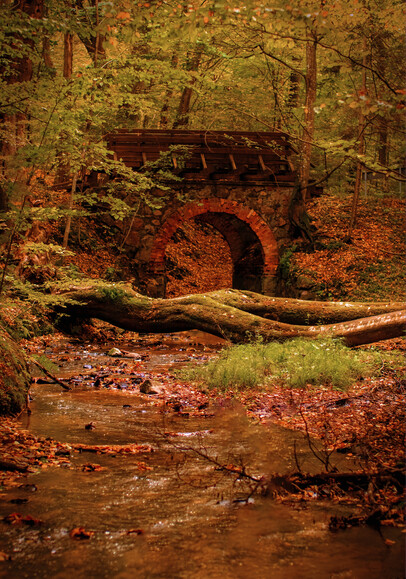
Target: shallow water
{"x":193,"y":525}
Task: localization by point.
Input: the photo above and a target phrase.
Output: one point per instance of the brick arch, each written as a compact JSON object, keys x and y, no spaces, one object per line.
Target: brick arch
{"x":192,"y":210}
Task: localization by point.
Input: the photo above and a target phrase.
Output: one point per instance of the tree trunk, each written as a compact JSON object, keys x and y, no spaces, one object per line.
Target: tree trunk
{"x":164,"y":115}
{"x":361,"y":152}
{"x":211,"y":313}
{"x":302,"y":312}
{"x":293,"y":95}
{"x":46,"y":49}
{"x":67,"y":55}
{"x":308,"y":130}
{"x":14,"y":71}
{"x":18,"y":70}
{"x":93,"y":43}
{"x":69,"y":218}
{"x":46,"y":54}
{"x":183,"y":113}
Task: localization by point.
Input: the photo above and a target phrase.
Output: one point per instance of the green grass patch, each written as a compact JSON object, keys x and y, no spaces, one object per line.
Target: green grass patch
{"x":296,"y":363}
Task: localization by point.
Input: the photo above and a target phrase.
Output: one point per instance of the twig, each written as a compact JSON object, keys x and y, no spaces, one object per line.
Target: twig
{"x":232,"y":470}
{"x":324,"y":460}
{"x":47,"y":373}
{"x":296,"y":457}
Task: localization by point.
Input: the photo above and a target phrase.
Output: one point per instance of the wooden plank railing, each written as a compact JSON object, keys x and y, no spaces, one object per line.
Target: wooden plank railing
{"x":230,"y":155}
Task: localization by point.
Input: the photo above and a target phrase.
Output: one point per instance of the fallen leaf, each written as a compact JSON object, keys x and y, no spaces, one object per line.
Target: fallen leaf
{"x":389,"y":542}
{"x":135,"y":532}
{"x":18,"y":519}
{"x":89,"y":467}
{"x":80,"y":533}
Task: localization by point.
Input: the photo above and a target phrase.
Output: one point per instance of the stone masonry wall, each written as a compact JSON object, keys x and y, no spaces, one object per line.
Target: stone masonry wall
{"x":264,"y":208}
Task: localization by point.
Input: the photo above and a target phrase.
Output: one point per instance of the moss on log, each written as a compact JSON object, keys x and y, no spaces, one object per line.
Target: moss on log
{"x":234,"y":315}
{"x":14,"y":375}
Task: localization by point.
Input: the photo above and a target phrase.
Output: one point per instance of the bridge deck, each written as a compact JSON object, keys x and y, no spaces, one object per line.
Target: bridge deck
{"x":209,"y":155}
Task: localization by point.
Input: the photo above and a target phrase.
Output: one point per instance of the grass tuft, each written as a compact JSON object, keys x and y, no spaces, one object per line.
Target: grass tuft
{"x":296,"y":363}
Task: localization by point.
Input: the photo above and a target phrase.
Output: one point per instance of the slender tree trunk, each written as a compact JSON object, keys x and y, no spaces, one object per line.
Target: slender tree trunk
{"x":309,"y":115}
{"x":3,"y":199}
{"x":18,"y":70}
{"x":361,"y":152}
{"x":67,"y":55}
{"x":62,"y":174}
{"x":293,"y":95}
{"x":382,"y":57}
{"x":95,"y":43}
{"x":164,"y":116}
{"x":46,"y":53}
{"x":183,"y":113}
{"x":383,"y":151}
{"x":46,"y":48}
{"x":70,"y":207}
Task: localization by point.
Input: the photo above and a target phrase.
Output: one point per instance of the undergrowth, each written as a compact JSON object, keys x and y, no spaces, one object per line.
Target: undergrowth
{"x":295,"y":363}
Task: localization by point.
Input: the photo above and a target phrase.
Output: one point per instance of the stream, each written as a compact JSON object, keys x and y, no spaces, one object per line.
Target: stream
{"x":170,"y":513}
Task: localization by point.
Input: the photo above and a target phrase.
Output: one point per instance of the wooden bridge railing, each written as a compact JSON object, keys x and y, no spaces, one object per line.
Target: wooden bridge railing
{"x":212,"y":155}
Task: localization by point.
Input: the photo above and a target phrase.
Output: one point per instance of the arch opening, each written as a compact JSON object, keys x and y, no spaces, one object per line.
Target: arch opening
{"x":251,"y":243}
{"x":197,"y":260}
{"x":245,"y":248}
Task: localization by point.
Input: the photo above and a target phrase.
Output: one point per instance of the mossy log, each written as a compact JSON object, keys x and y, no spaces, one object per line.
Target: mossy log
{"x":302,"y":312}
{"x":234,"y":315}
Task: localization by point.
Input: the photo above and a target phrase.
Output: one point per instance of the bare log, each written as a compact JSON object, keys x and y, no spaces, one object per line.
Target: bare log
{"x":123,"y":307}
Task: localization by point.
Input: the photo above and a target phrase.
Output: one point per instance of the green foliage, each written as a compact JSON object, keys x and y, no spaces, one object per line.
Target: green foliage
{"x":111,"y":274}
{"x":296,"y":363}
{"x":70,"y":271}
{"x":246,"y":68}
{"x":381,"y":280}
{"x":285,"y":263}
{"x":23,"y":315}
{"x":112,"y":293}
{"x":50,"y":249}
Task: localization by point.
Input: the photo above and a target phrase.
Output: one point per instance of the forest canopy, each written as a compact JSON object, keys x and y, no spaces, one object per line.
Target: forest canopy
{"x":330,"y":75}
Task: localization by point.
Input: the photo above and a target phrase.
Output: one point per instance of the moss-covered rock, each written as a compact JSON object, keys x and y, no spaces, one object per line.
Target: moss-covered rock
{"x":14,"y":375}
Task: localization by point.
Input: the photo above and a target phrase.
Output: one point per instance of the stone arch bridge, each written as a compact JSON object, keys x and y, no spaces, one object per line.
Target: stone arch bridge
{"x":239,"y":182}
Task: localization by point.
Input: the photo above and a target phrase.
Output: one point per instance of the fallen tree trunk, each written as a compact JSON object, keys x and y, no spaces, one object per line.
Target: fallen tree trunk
{"x":123,"y":307}
{"x":302,"y":312}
